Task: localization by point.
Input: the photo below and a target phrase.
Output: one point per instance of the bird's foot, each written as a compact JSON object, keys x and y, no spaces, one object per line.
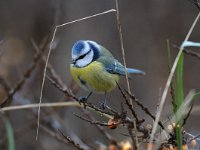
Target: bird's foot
{"x":103,"y":105}
{"x":83,"y":100}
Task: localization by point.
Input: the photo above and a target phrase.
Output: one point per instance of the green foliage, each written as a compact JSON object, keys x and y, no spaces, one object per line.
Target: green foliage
{"x":180,"y":99}
{"x":9,"y":132}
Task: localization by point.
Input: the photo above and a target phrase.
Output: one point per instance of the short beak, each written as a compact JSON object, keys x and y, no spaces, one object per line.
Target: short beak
{"x":73,"y":62}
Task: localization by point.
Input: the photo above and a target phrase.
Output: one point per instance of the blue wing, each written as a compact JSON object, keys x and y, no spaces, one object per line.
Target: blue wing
{"x":115,"y":67}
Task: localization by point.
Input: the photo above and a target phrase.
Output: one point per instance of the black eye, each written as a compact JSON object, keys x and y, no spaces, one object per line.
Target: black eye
{"x":82,"y":56}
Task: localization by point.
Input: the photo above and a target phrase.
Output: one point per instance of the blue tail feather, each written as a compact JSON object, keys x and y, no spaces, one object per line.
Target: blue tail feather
{"x":135,"y":71}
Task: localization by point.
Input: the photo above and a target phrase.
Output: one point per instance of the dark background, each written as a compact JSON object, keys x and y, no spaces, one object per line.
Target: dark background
{"x":146,"y":25}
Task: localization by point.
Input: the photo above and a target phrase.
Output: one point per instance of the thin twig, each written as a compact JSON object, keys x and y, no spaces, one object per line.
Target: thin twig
{"x":128,"y":104}
{"x":100,"y":128}
{"x":132,"y":136}
{"x":196,"y":3}
{"x":189,"y":134}
{"x":194,"y":138}
{"x":71,"y":141}
{"x":122,"y":45}
{"x":172,"y":90}
{"x":61,"y":137}
{"x":145,"y":109}
{"x":189,"y":52}
{"x":188,"y":115}
{"x":57,"y":104}
{"x":88,"y":17}
{"x":91,"y":121}
{"x":124,"y":62}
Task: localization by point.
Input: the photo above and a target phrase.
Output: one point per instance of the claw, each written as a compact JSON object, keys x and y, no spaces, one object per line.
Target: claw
{"x":83,"y":100}
{"x":103,"y":105}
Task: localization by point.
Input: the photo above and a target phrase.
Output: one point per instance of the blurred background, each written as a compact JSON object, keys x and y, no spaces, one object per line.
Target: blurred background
{"x":146,"y":25}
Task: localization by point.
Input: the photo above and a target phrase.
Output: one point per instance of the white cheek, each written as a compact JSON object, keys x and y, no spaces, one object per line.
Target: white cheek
{"x":86,"y":60}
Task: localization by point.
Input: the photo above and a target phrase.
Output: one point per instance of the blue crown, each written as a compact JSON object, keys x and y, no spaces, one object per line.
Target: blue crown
{"x":78,"y":46}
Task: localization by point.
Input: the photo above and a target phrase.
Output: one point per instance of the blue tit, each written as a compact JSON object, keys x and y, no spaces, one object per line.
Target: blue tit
{"x":95,"y":69}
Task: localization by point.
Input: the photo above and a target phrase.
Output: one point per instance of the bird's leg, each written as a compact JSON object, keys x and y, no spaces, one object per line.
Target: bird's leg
{"x":85,"y":98}
{"x":103,"y":104}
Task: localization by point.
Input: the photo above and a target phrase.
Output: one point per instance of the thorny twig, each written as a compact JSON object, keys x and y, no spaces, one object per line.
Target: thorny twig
{"x":135,"y":141}
{"x":132,"y":136}
{"x":128,"y":104}
{"x":140,"y":128}
{"x":100,"y":128}
{"x":188,"y":115}
{"x":196,"y":3}
{"x":61,"y":137}
{"x":68,"y":140}
{"x":195,"y":137}
{"x":91,"y":121}
{"x":145,"y":109}
{"x":172,"y":90}
{"x":189,"y":52}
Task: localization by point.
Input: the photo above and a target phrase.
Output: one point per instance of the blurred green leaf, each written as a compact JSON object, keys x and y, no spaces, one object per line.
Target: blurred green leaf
{"x":9,"y":132}
{"x":180,"y":99}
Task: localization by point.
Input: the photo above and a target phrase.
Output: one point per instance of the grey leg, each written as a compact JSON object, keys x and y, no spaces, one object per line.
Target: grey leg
{"x":84,"y":99}
{"x":103,"y":105}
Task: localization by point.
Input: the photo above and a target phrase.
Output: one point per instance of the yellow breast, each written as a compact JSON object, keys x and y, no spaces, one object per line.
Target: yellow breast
{"x":94,"y":77}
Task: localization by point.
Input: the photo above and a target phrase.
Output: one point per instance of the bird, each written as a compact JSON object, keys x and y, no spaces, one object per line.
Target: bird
{"x":95,"y":69}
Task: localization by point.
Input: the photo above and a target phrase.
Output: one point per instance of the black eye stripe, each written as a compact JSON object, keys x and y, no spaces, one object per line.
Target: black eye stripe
{"x":82,"y":56}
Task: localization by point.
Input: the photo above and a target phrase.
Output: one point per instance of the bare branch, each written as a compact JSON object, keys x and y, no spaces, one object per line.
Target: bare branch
{"x":69,"y":140}
{"x":188,"y":115}
{"x":189,"y":52}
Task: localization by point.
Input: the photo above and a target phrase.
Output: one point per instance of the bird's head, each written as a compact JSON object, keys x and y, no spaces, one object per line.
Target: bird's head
{"x":84,"y":52}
